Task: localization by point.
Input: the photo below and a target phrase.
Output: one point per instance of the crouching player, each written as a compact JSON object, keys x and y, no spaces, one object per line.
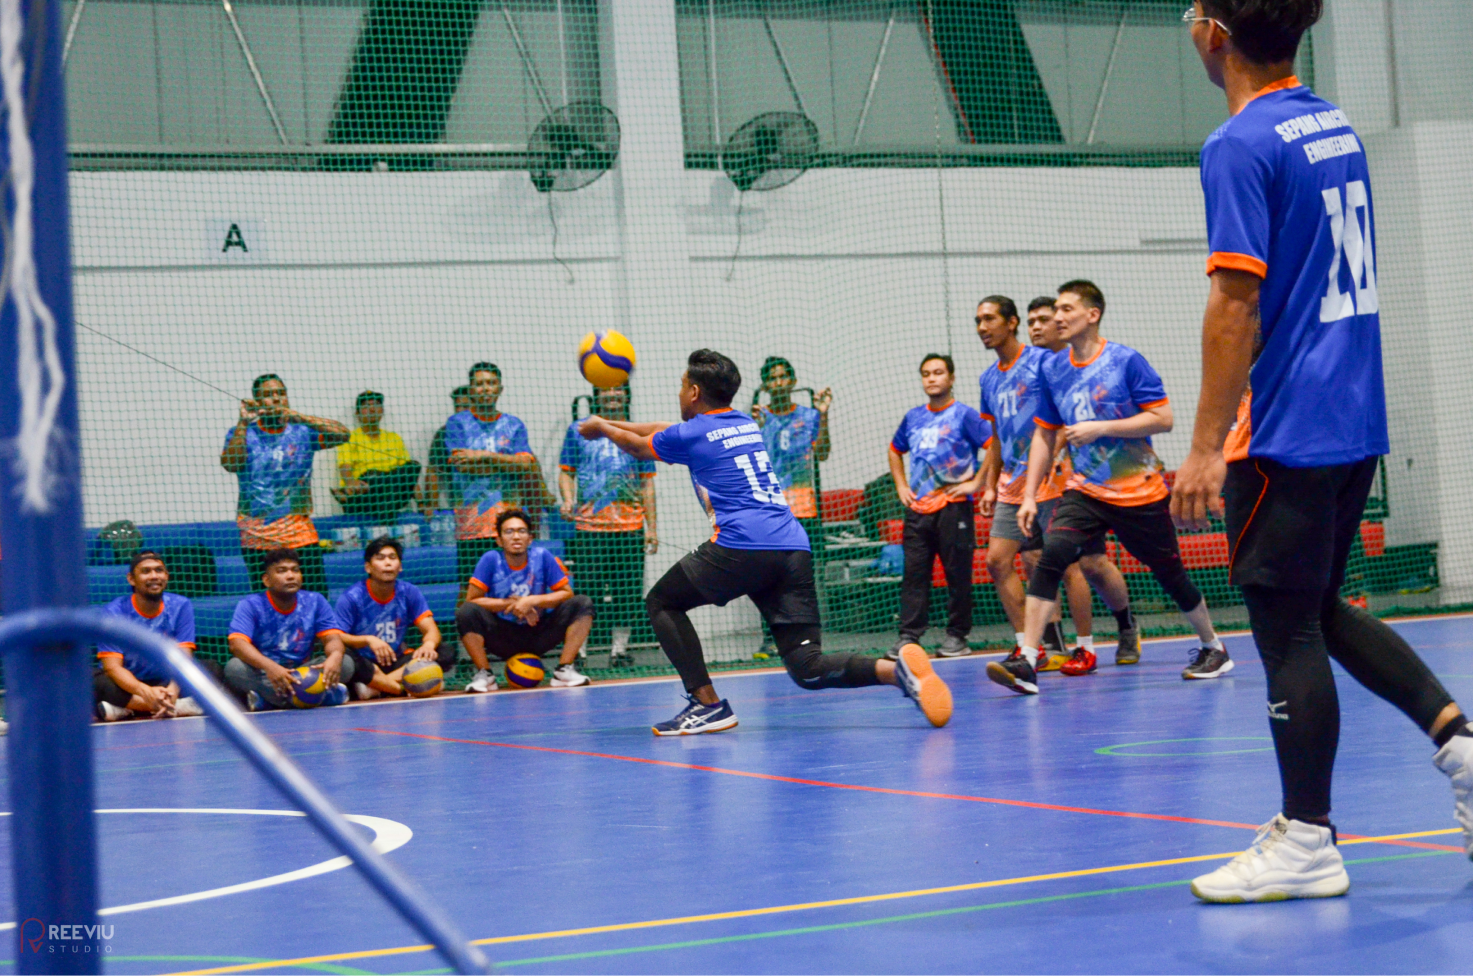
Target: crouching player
{"x":376,"y":614}
{"x":130,"y":684}
{"x":763,"y":553}
{"x":520,"y":600}
{"x":272,"y":634}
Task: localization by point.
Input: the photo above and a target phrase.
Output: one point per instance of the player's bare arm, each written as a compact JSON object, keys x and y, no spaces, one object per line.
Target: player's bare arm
{"x":279,"y":676}
{"x":631,"y":442}
{"x":897,"y":473}
{"x":1229,"y":330}
{"x":1151,"y":420}
{"x":991,"y":469}
{"x":1040,"y":463}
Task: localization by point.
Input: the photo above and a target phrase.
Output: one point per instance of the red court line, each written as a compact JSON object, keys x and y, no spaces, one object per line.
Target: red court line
{"x":872,"y":789}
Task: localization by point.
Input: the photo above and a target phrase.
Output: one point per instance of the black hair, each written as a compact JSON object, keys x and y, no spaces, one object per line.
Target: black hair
{"x":1042,"y":301}
{"x":1005,"y":306}
{"x":262,"y":380}
{"x":144,"y":556}
{"x":460,"y":391}
{"x":1088,"y":291}
{"x":772,"y":362}
{"x":381,"y":543}
{"x":950,"y":365}
{"x":279,"y":556}
{"x":506,"y":515}
{"x":367,"y":396}
{"x":715,"y":374}
{"x":1266,"y":31}
{"x":483,"y":367}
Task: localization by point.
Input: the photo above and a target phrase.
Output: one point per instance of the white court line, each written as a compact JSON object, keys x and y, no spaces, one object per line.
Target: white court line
{"x":388,"y":835}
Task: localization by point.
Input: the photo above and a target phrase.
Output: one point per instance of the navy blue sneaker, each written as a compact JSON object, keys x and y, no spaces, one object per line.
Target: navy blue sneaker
{"x":336,"y":695}
{"x":696,"y":718}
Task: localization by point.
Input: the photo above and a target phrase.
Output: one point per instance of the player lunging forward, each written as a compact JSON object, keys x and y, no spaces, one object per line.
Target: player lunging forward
{"x":1293,"y":305}
{"x":759,"y":550}
{"x":1106,"y":401}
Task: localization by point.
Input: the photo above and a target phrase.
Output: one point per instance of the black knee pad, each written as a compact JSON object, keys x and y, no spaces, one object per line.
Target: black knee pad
{"x":1059,"y":552}
{"x":810,"y":668}
{"x":1179,"y":586}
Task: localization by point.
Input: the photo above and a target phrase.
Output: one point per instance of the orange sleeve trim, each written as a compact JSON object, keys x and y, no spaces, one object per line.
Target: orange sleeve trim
{"x":244,"y":637}
{"x":1155,"y":403}
{"x":896,"y":452}
{"x":988,"y":416}
{"x":116,"y":654}
{"x":330,"y":630}
{"x":567,"y":467}
{"x":644,"y":475}
{"x":475,"y":582}
{"x":188,"y":644}
{"x":1236,"y":262}
{"x":1046,"y":425}
{"x":651,"y":442}
{"x":424,"y":615}
{"x":561,"y":584}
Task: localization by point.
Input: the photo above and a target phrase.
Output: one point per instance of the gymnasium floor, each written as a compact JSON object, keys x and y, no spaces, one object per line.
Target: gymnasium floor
{"x":832,"y":832}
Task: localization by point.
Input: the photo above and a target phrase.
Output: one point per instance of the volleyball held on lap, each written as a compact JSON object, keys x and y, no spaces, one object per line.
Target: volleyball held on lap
{"x":309,"y":688}
{"x":606,"y":359}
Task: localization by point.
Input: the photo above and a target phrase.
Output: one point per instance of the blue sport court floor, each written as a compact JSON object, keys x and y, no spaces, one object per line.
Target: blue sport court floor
{"x":831,"y":832}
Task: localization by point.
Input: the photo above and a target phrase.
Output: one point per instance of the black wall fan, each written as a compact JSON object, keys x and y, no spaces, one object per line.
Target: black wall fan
{"x":770,"y":151}
{"x":572,"y":147}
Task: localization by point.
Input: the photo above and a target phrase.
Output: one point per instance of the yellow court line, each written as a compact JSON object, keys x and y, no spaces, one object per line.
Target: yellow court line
{"x":772,"y":910}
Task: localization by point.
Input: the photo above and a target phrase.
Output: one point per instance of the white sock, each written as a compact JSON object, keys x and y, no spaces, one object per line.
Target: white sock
{"x":1031,"y":653}
{"x":1018,"y":638}
{"x":1087,"y":641}
{"x":1215,"y":643}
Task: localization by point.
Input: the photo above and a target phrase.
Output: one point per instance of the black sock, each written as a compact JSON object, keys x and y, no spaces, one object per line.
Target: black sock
{"x":1124,"y":619}
{"x":1458,"y":726}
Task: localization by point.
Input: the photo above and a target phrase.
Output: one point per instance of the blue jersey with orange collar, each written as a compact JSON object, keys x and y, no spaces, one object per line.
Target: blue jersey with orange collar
{"x":729,"y":463}
{"x":284,"y":636}
{"x":1288,"y":197}
{"x":790,"y":438}
{"x":1010,"y":398}
{"x":610,"y":483}
{"x":541,"y":573}
{"x":174,"y":620}
{"x":1114,"y":384}
{"x":943,"y":446}
{"x":482,"y":496}
{"x":361,"y":613}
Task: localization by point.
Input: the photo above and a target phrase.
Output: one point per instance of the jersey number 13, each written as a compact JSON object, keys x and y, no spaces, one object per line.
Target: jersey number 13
{"x":772,"y":493}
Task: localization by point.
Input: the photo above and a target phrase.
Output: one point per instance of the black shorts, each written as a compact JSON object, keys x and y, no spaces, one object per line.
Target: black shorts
{"x":779,"y":581}
{"x":505,"y":639}
{"x":1292,"y":528}
{"x":1146,"y":531}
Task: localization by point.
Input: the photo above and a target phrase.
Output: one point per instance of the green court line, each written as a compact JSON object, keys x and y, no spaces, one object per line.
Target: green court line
{"x":909,"y":917}
{"x":1110,"y":750}
{"x":308,"y":967}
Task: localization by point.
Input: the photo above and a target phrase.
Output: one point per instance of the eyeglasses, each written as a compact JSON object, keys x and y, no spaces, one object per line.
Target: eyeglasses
{"x":1189,"y":16}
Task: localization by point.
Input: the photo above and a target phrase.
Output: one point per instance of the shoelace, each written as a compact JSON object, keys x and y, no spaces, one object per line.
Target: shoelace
{"x":1199,"y":656}
{"x":1267,"y":838}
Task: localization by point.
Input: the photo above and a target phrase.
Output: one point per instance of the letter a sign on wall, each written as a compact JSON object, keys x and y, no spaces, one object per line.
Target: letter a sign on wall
{"x":235,"y":240}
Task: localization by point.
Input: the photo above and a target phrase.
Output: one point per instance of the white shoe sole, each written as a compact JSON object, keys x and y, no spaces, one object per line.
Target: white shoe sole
{"x":721,"y":726}
{"x":1004,"y":677}
{"x":560,"y":683}
{"x":1332,"y":886}
{"x":1226,"y":667}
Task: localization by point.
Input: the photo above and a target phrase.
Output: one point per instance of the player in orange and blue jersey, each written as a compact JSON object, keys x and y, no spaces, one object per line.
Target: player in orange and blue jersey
{"x":376,"y":613}
{"x":797,"y":437}
{"x":1292,"y":330}
{"x":1107,"y":401}
{"x":758,"y":550}
{"x":942,"y":437}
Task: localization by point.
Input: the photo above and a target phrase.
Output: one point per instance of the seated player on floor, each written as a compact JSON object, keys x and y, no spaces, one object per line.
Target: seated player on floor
{"x":272,"y":634}
{"x":130,"y":684}
{"x":520,"y":600}
{"x":376,"y":614}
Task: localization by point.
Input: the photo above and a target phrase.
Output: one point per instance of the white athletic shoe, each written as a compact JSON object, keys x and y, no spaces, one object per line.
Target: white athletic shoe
{"x":619,"y":652}
{"x":1288,"y":859}
{"x":109,"y":712}
{"x":187,"y":707}
{"x":567,"y":676}
{"x":483,"y":681}
{"x":363,"y":692}
{"x":1456,"y":760}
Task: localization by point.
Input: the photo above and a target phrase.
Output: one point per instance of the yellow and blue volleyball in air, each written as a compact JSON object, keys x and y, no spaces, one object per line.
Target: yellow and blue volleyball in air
{"x":525,"y":671}
{"x":606,"y":359}
{"x":423,"y":679}
{"x":309,"y":688}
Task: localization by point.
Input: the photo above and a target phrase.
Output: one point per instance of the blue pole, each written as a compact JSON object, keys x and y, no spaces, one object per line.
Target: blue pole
{"x":49,"y":697}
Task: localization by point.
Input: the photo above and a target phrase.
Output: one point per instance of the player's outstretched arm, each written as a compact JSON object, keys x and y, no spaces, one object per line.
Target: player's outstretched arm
{"x":630,"y":442}
{"x":1229,"y":330}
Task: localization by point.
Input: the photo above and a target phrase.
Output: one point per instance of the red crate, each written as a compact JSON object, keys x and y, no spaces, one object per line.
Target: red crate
{"x":841,"y":504}
{"x":1373,"y":538}
{"x":984,"y":531}
{"x":891,"y":530}
{"x":1204,"y":551}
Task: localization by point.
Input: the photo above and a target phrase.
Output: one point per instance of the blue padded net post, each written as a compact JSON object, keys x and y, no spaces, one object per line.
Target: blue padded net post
{"x":49,"y":697}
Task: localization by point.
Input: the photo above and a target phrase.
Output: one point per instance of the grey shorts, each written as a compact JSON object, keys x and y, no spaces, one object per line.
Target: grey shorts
{"x":1005,"y":524}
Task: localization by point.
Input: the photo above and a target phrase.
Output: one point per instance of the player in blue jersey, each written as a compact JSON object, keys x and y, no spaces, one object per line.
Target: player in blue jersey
{"x":1292,"y":335}
{"x":942,"y":438}
{"x":1010,"y":393}
{"x":376,"y":614}
{"x":273,"y":633}
{"x":520,"y":600}
{"x":1105,"y":401}
{"x":492,"y":463}
{"x":130,"y":684}
{"x":758,"y":550}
